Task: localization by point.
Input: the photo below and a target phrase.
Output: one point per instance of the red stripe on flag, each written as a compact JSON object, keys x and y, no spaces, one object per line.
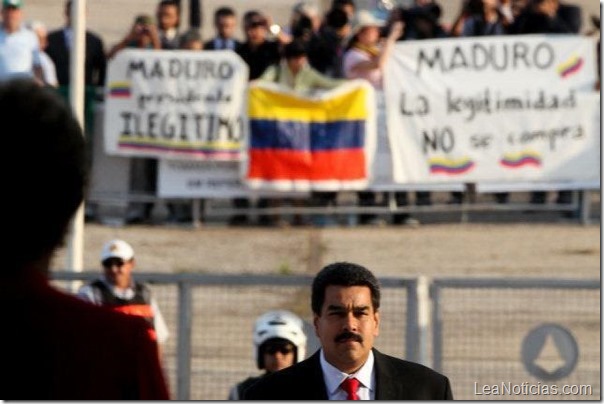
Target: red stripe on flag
{"x":270,"y":164}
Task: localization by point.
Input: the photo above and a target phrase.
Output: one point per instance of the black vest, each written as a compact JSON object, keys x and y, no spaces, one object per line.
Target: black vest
{"x":139,"y":305}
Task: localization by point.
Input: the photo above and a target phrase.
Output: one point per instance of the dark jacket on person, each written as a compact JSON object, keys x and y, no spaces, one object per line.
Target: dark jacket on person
{"x":396,"y":379}
{"x":260,"y":58}
{"x":95,"y":63}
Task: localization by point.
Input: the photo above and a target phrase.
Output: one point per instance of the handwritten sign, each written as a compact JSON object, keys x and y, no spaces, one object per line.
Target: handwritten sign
{"x":177,"y":104}
{"x":514,"y":108}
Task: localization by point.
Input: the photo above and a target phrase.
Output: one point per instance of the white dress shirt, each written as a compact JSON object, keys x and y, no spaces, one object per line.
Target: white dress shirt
{"x":333,"y":379}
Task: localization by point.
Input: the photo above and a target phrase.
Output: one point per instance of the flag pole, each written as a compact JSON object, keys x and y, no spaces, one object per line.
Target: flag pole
{"x":75,"y":241}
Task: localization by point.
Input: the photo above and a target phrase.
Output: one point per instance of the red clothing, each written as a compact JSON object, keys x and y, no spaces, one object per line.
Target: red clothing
{"x":55,"y":346}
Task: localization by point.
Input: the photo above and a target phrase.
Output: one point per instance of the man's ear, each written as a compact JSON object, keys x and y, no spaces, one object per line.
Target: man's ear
{"x":315,"y":321}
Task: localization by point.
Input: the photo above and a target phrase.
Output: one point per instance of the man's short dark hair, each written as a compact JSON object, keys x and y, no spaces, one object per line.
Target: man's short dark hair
{"x":336,"y":18}
{"x":174,"y":3}
{"x":45,"y":187}
{"x":343,"y":274}
{"x":294,"y":49}
{"x":340,"y":3}
{"x":223,"y":12}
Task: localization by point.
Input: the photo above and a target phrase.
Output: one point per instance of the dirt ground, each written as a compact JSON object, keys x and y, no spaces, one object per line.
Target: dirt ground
{"x":552,"y":250}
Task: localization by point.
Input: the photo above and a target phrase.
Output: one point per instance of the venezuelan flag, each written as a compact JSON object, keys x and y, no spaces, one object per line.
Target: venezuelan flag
{"x":119,"y":89}
{"x":441,"y":165}
{"x":521,"y":159}
{"x":303,"y":140}
{"x":570,"y":66}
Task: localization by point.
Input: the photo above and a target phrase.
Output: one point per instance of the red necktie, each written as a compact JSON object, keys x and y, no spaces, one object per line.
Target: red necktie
{"x":350,"y":386}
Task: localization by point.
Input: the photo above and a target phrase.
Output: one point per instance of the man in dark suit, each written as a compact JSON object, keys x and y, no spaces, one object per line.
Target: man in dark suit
{"x":345,"y":302}
{"x":59,"y":50}
{"x":55,"y":346}
{"x":225,"y":22}
{"x":95,"y":65}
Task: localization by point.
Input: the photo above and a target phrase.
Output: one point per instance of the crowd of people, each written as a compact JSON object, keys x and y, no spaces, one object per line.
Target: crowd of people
{"x":313,"y":51}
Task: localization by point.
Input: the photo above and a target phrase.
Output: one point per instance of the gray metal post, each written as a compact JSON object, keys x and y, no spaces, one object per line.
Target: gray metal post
{"x":436,"y":328}
{"x":584,"y":205}
{"x":412,"y":332}
{"x":184,"y":341}
{"x":195,"y":212}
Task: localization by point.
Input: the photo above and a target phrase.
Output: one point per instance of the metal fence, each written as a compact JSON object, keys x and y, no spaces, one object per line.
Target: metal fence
{"x":478,"y":329}
{"x":211,"y":319}
{"x":505,"y":333}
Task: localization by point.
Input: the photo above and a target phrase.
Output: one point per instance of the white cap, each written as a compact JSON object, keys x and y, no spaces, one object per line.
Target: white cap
{"x":117,"y":249}
{"x":365,"y":18}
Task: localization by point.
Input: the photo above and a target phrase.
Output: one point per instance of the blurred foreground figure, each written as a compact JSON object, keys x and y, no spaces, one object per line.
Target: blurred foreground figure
{"x":55,"y":346}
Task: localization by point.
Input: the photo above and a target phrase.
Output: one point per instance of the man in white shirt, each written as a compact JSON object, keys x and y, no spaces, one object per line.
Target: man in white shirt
{"x":118,"y":290}
{"x":345,"y":301}
{"x":19,"y":47}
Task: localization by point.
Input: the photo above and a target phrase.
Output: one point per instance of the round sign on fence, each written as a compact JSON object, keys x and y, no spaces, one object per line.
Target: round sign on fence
{"x":549,"y":352}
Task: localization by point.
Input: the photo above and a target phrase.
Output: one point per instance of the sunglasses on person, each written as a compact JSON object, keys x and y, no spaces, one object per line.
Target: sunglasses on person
{"x":110,"y":262}
{"x":273,"y":349}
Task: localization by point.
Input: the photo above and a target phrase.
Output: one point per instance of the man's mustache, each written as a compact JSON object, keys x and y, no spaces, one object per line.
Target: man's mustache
{"x":347,"y":335}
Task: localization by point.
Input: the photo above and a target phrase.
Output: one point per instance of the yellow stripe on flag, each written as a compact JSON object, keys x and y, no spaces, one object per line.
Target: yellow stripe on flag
{"x":271,"y":105}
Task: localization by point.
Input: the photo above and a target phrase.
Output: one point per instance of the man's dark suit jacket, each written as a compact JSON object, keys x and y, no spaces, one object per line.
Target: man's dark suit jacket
{"x":95,"y":63}
{"x":395,"y":379}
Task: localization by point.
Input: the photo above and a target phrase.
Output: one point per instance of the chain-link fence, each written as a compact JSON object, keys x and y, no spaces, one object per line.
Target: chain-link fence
{"x":488,"y":335}
{"x":501,"y":339}
{"x":211,"y":318}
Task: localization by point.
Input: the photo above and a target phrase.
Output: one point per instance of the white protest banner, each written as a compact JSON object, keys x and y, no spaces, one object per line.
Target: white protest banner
{"x":510,"y":108}
{"x":208,"y":179}
{"x":200,"y":179}
{"x":178,"y":104}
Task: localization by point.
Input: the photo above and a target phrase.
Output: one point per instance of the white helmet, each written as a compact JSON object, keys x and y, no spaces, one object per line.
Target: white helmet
{"x":279,"y":324}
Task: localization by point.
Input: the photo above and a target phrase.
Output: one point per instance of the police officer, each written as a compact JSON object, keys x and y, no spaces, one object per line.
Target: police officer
{"x":279,"y":342}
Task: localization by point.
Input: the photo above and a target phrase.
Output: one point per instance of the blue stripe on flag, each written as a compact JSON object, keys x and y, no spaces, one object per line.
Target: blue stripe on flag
{"x":295,"y":135}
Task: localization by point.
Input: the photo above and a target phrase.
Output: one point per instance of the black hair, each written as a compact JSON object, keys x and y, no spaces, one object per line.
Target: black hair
{"x":336,"y":18}
{"x":340,"y":3}
{"x":48,"y":186}
{"x":174,"y":3}
{"x":251,"y":15}
{"x":302,"y":28}
{"x":223,"y":12}
{"x":294,"y":49}
{"x":343,"y":274}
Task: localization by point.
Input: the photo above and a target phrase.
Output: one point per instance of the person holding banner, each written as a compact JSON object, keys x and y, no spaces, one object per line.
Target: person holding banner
{"x":366,"y":59}
{"x":143,"y":35}
{"x":168,"y":22}
{"x":295,"y":73}
{"x":259,"y":53}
